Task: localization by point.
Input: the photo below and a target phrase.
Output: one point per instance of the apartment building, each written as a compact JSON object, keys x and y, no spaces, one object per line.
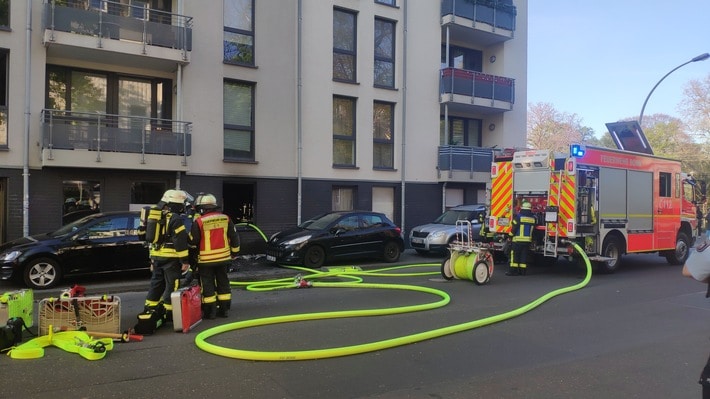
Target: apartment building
{"x":282,"y":109}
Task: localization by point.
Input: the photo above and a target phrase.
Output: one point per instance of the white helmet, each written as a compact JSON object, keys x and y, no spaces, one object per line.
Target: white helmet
{"x":206,"y":200}
{"x":174,"y":197}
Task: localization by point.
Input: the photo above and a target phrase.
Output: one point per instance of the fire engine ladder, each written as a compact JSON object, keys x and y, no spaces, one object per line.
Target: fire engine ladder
{"x":551,"y":226}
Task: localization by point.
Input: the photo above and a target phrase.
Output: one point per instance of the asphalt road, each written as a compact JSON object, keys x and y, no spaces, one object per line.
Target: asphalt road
{"x":640,"y":333}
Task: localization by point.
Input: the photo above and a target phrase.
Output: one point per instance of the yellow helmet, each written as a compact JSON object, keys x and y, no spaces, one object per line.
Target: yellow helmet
{"x":174,"y":197}
{"x":526,"y":205}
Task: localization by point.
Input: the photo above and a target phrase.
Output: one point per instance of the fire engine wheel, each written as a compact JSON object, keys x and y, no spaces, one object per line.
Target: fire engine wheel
{"x":682,"y":250}
{"x":610,"y":249}
{"x":446,"y":272}
{"x":481,"y":273}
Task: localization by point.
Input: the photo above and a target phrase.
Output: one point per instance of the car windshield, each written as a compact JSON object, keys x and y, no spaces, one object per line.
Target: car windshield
{"x":450,"y":217}
{"x":320,"y":222}
{"x":73,"y":226}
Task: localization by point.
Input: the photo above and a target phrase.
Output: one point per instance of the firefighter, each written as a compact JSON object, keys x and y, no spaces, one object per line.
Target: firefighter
{"x":169,"y":255}
{"x":217,"y":243}
{"x":485,"y":234}
{"x":521,"y":235}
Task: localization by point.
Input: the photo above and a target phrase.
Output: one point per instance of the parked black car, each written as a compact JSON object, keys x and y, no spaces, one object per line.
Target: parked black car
{"x":95,"y":244}
{"x":335,"y":237}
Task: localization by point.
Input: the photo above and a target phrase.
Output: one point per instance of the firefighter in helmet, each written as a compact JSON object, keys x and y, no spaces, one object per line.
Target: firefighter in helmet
{"x":521,"y":235}
{"x":214,"y":236}
{"x":169,"y":254}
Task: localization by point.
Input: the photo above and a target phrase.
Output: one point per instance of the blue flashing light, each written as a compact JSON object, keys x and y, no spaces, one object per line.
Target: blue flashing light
{"x":577,"y":150}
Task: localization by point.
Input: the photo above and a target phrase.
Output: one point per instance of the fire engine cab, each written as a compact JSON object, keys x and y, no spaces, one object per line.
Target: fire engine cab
{"x":609,"y":201}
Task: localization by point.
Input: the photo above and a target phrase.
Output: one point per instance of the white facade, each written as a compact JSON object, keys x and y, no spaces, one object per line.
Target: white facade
{"x":292,"y":173}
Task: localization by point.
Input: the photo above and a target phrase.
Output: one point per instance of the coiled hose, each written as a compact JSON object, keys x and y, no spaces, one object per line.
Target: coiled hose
{"x":201,"y":338}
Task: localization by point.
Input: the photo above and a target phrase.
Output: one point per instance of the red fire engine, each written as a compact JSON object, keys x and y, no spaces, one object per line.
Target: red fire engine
{"x":609,"y":201}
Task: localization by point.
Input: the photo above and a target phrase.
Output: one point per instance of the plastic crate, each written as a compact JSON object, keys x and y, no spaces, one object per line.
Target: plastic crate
{"x":90,"y":313}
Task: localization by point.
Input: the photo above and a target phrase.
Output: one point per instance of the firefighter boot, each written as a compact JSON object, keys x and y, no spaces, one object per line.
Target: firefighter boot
{"x":512,"y":271}
{"x":522,"y":270}
{"x":223,"y":310}
{"x":209,"y":310}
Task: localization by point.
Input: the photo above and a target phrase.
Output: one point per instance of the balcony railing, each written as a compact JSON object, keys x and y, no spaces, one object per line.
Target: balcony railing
{"x":467,"y":159}
{"x":497,"y":13}
{"x":113,"y":20}
{"x":65,"y":130}
{"x":477,"y":84}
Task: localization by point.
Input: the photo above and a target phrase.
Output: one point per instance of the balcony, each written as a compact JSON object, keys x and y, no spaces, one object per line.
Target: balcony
{"x":471,"y":91}
{"x":485,"y":22}
{"x":78,"y":139}
{"x":464,"y":164}
{"x":115,"y":33}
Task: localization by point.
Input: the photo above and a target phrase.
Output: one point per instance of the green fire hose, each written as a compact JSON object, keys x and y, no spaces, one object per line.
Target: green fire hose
{"x":354,"y":275}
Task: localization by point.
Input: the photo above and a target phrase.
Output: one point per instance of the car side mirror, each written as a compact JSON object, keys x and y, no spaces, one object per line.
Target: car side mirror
{"x":336,"y":231}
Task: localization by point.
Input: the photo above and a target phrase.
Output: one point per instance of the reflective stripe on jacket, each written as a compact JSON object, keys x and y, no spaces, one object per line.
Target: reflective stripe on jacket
{"x":215,"y":236}
{"x":523,"y":225}
{"x":176,"y":240}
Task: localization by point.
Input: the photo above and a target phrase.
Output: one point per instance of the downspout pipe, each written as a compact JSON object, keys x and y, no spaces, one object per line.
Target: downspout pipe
{"x":404,"y":119}
{"x":26,"y":141}
{"x":299,"y":111}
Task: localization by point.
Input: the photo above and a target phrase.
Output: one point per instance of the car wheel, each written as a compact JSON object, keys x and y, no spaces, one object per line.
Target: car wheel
{"x":42,"y":273}
{"x":481,"y":274}
{"x":391,"y":252}
{"x":314,"y":258}
{"x":446,"y":272}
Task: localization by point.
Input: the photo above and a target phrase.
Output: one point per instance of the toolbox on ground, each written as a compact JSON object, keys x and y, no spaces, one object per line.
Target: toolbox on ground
{"x":187,"y":308}
{"x":18,"y":303}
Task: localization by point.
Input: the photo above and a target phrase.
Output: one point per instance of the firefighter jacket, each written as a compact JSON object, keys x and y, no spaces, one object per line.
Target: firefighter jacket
{"x":523,"y":225}
{"x":214,"y":236}
{"x":174,"y":242}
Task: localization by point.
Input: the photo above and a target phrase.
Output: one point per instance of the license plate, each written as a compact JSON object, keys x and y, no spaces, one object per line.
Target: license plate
{"x":271,"y":258}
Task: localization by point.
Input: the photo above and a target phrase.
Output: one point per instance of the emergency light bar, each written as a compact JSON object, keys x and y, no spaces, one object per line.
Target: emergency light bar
{"x":577,"y":150}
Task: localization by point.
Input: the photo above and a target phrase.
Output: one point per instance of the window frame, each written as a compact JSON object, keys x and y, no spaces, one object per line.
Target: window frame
{"x":347,"y":138}
{"x":242,"y":156}
{"x":340,"y":52}
{"x":390,"y":3}
{"x":6,"y":11}
{"x":249,"y":34}
{"x":382,"y":141}
{"x":378,"y":58}
{"x":338,"y":191}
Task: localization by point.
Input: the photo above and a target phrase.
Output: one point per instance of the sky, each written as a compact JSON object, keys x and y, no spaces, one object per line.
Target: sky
{"x":600,"y":59}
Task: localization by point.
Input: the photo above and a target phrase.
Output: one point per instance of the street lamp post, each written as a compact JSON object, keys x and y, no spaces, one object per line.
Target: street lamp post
{"x":701,"y":57}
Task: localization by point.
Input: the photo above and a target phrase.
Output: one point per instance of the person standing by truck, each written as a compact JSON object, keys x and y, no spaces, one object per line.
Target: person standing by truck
{"x":521,"y":236}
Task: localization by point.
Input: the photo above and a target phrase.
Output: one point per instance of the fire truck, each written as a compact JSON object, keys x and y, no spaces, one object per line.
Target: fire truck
{"x":609,"y":201}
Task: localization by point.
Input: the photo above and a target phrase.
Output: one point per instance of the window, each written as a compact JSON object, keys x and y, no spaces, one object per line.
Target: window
{"x":112,"y":227}
{"x":5,"y":14}
{"x":465,"y":132}
{"x":239,"y":32}
{"x":107,"y":93}
{"x":344,"y":45}
{"x":81,"y":198}
{"x":147,"y":192}
{"x":383,"y":135}
{"x":664,"y":187}
{"x":3,"y":97}
{"x":238,"y":121}
{"x":343,"y":131}
{"x":384,"y":53}
{"x":462,"y":58}
{"x":387,"y":2}
{"x":343,"y":198}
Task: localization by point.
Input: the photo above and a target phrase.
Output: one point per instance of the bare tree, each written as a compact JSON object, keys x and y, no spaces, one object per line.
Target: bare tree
{"x":553,"y":130}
